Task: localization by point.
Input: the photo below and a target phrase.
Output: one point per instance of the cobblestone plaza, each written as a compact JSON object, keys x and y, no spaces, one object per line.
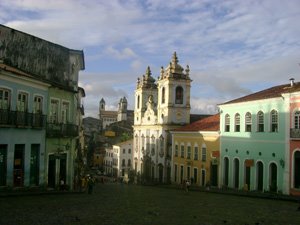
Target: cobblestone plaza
{"x":114,"y":203}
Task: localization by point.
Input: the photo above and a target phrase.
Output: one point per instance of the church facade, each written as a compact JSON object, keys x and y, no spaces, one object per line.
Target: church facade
{"x":160,"y":106}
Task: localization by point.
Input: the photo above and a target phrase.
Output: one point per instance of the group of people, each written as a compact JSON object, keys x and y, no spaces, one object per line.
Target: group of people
{"x":87,"y":183}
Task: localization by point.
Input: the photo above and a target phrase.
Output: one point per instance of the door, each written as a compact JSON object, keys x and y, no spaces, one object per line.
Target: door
{"x":19,"y":165}
{"x":214,"y":175}
{"x":260,"y":176}
{"x":34,"y":164}
{"x":247,"y":176}
{"x":3,"y":164}
{"x":236,"y":173}
{"x":63,"y":168}
{"x":160,"y":173}
{"x":51,"y":171}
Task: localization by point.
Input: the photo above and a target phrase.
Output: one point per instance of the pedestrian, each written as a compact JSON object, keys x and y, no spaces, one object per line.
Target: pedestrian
{"x":187,"y":186}
{"x":61,"y":184}
{"x":91,"y":183}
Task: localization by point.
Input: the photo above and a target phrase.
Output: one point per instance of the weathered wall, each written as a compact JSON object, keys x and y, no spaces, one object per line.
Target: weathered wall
{"x":34,"y":55}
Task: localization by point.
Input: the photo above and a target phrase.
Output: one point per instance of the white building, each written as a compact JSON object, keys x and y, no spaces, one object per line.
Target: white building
{"x":118,"y":159}
{"x":159,"y":107}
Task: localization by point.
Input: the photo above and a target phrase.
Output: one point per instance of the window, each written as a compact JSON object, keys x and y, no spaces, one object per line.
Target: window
{"x":176,"y":150}
{"x":163,"y":95}
{"x":138,"y":102}
{"x":179,"y":95}
{"x":54,"y":111}
{"x":124,"y":151}
{"x":274,"y":121}
{"x":182,"y":151}
{"x":260,"y":121}
{"x":4,"y":99}
{"x":22,"y":103}
{"x":161,"y":139}
{"x":237,"y":120}
{"x":203,"y":153}
{"x":129,"y":151}
{"x":297,"y":120}
{"x":248,"y":122}
{"x":227,"y":123}
{"x":65,"y":112}
{"x":123,"y":162}
{"x":188,"y":152}
{"x":175,"y":173}
{"x":196,"y":153}
{"x":38,"y":104}
{"x":129,"y":162}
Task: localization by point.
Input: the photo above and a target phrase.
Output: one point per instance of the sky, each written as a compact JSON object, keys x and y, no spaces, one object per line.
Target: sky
{"x":233,"y":47}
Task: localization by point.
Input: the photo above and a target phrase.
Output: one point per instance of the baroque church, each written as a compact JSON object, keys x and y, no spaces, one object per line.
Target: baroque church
{"x":160,"y":106}
{"x":108,"y":117}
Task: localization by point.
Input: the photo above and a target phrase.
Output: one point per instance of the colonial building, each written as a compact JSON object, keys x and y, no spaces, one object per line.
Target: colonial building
{"x":40,"y":78}
{"x":196,"y":152}
{"x":159,"y":107}
{"x":259,"y":151}
{"x":108,"y":117}
{"x":293,"y":154}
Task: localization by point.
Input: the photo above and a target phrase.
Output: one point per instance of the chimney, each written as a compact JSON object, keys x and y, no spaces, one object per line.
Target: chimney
{"x":292,"y":80}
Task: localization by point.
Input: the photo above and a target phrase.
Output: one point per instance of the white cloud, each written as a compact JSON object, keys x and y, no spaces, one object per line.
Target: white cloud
{"x":233,"y":47}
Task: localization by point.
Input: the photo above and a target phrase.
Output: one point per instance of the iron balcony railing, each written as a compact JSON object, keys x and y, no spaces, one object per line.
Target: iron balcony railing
{"x":22,"y":119}
{"x":294,"y":133}
{"x":61,"y":130}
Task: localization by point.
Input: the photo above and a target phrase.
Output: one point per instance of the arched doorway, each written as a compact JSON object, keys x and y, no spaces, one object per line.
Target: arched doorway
{"x":259,"y":176}
{"x":273,"y":177}
{"x":160,"y":173}
{"x":226,"y":171}
{"x":236,"y":173}
{"x":297,"y":169}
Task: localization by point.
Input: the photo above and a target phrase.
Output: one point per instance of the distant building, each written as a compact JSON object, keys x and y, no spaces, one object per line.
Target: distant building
{"x":109,"y":117}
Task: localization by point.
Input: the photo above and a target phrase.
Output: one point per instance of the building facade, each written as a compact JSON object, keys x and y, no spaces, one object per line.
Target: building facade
{"x":196,"y":152}
{"x":160,"y":106}
{"x":23,"y":109}
{"x":254,"y":141}
{"x":42,"y":81}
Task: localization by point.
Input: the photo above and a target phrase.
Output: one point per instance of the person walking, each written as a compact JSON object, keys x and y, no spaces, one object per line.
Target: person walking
{"x":91,"y":183}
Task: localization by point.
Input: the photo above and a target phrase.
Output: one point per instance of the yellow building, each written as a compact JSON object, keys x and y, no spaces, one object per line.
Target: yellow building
{"x":195,"y":149}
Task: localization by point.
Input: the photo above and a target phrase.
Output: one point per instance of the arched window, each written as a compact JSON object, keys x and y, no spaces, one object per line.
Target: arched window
{"x":138,"y":102}
{"x":248,"y":122}
{"x":179,"y":95}
{"x":227,"y":123}
{"x":237,"y":121}
{"x":274,"y":121}
{"x":163,"y":95}
{"x":260,"y":122}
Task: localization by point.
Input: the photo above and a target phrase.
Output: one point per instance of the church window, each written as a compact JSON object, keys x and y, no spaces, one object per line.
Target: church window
{"x":163,"y":95}
{"x":227,"y":123}
{"x":138,"y":102}
{"x":179,"y":95}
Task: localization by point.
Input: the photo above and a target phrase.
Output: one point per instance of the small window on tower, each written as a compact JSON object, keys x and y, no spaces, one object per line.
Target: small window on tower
{"x":179,"y":95}
{"x":163,"y":95}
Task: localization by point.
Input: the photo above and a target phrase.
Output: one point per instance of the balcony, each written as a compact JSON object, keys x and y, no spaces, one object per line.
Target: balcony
{"x":9,"y":118}
{"x":61,"y":130}
{"x":295,"y":133}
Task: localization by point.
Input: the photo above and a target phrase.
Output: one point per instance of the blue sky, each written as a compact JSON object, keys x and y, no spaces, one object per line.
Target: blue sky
{"x":233,"y":47}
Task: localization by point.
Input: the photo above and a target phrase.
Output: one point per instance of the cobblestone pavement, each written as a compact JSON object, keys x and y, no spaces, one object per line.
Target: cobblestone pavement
{"x":117,"y":204}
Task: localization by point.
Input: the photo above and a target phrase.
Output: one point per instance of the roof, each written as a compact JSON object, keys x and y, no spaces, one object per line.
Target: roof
{"x":13,"y":70}
{"x":272,"y":92}
{"x":109,"y":113}
{"x":211,"y":123}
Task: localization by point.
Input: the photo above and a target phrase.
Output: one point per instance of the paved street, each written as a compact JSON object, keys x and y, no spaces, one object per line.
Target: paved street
{"x":138,"y":205}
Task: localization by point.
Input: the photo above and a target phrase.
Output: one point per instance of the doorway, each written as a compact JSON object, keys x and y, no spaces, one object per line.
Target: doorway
{"x":259,"y":176}
{"x":19,"y":165}
{"x":3,"y":164}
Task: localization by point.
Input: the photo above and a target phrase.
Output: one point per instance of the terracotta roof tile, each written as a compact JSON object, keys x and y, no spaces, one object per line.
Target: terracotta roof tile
{"x":272,"y":92}
{"x":211,"y":123}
